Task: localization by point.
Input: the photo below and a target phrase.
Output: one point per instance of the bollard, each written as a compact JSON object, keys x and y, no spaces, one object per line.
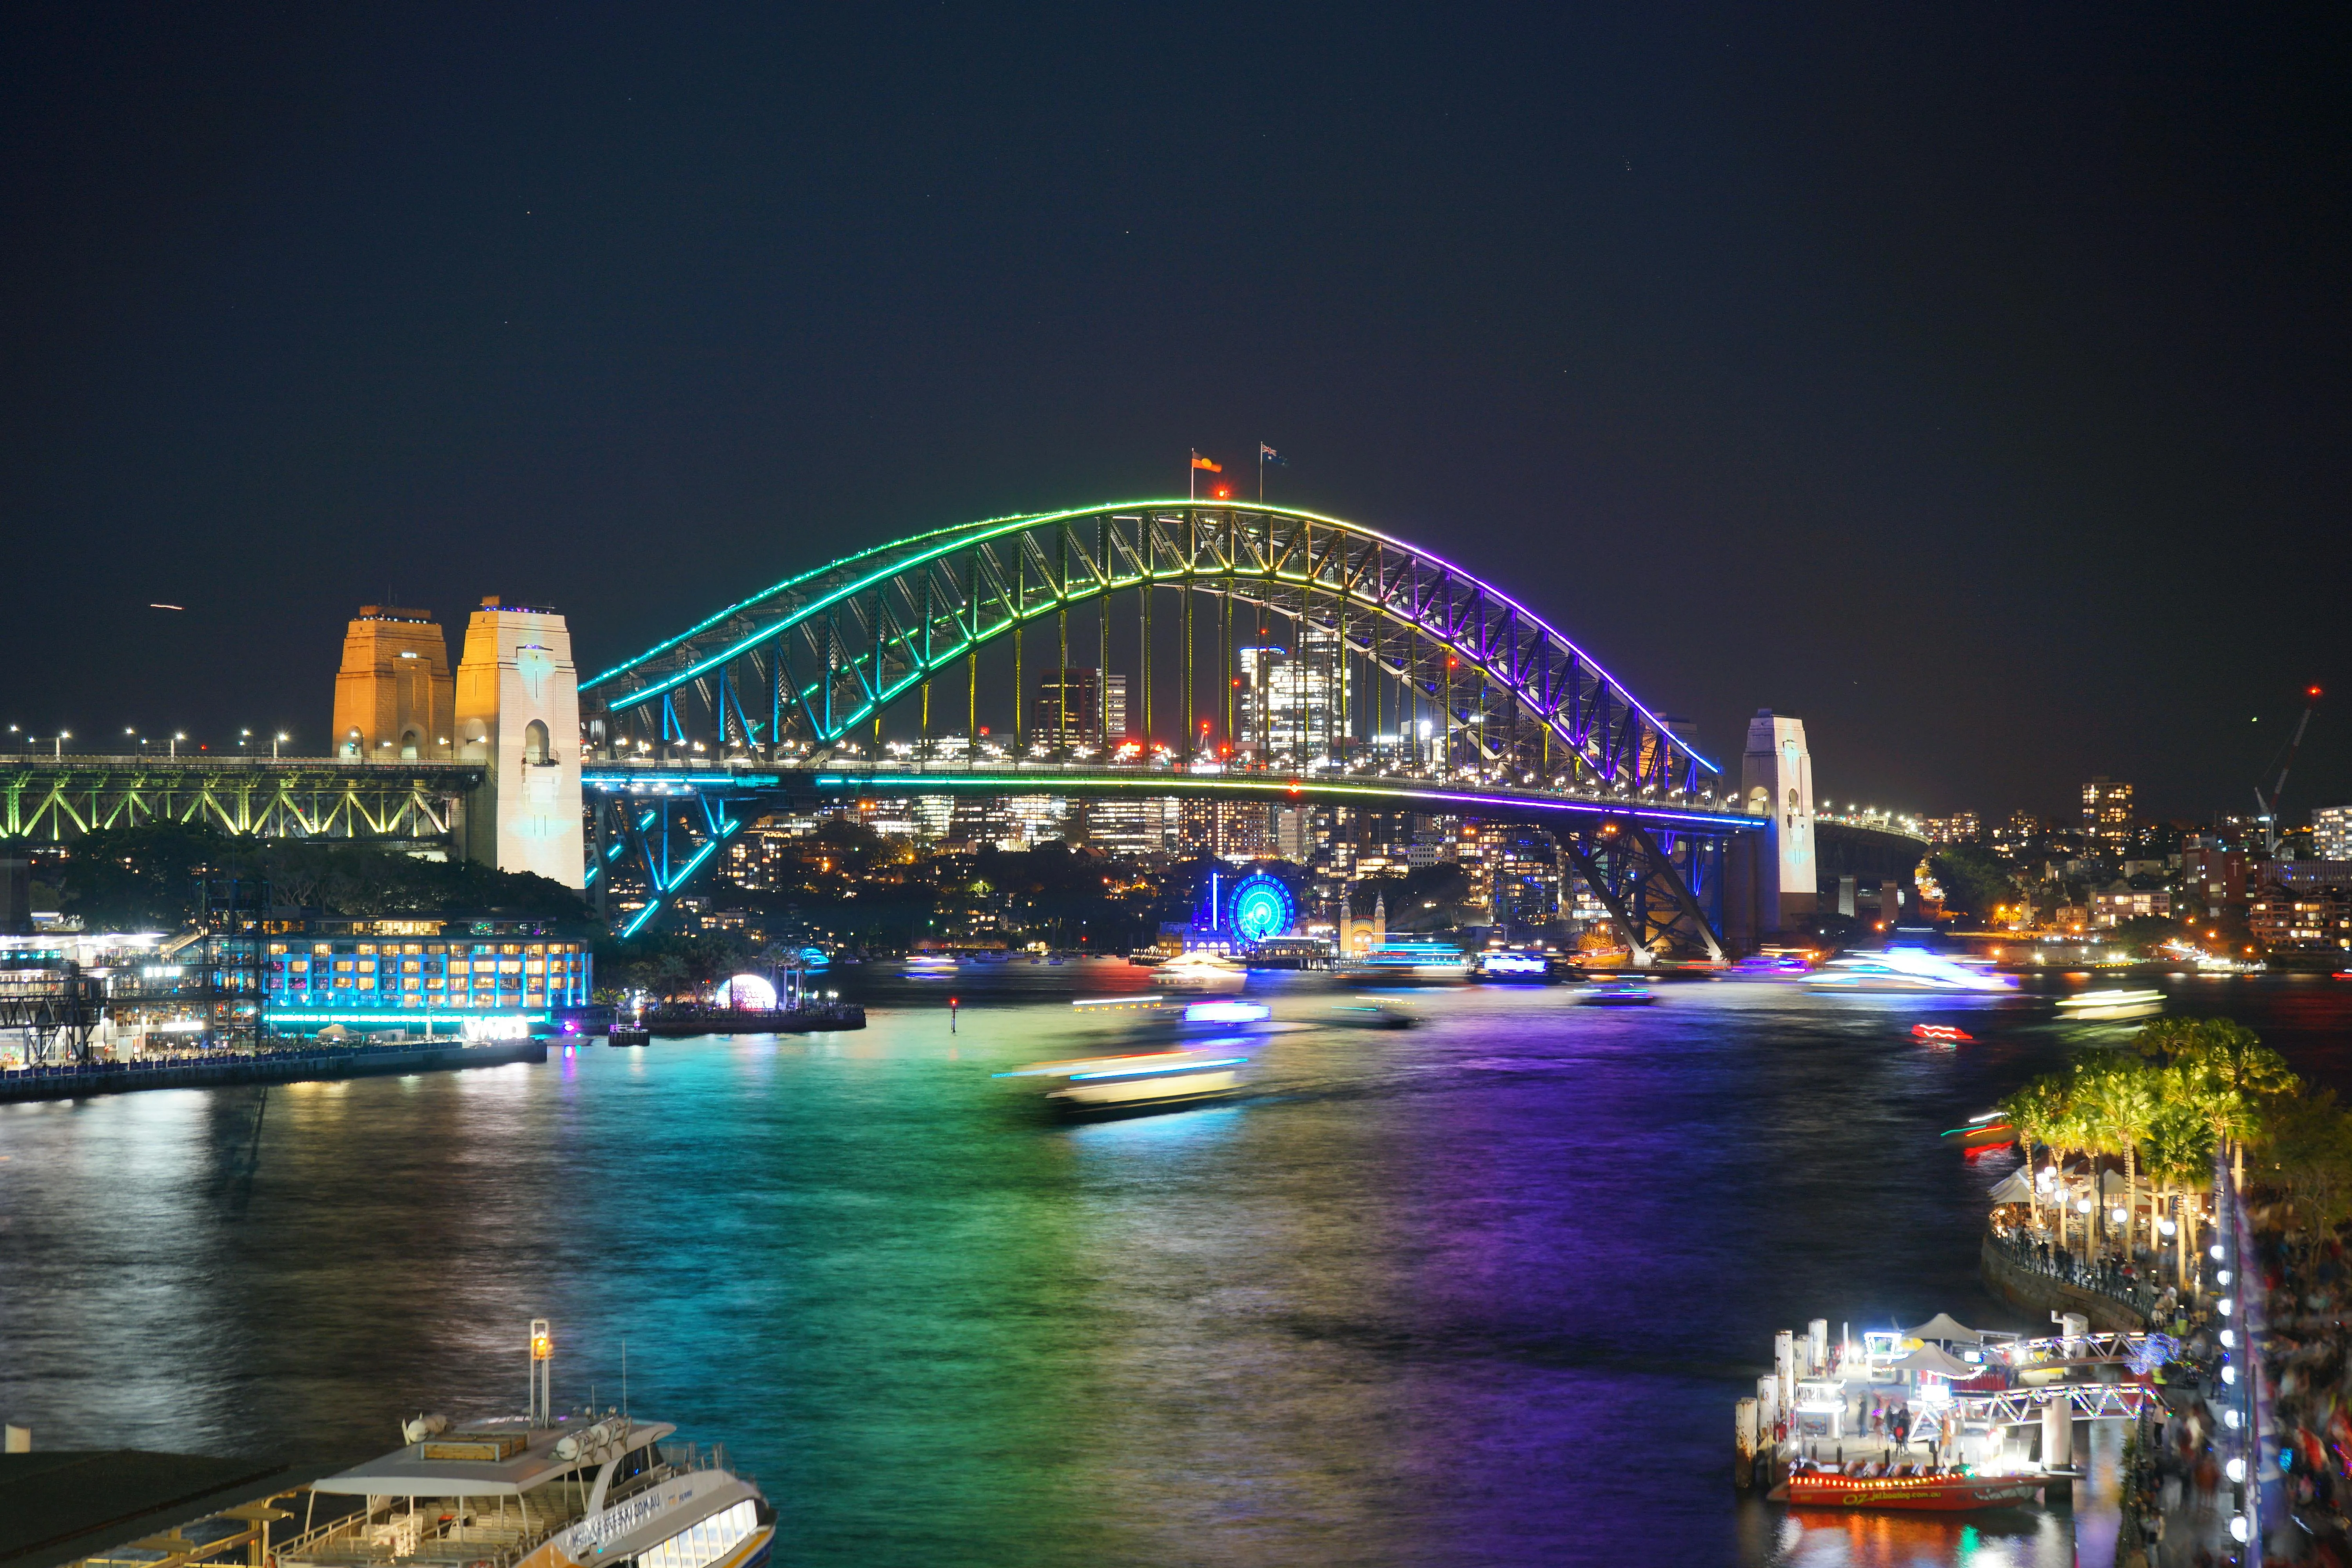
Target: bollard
{"x":1784,"y":1371}
{"x":1743,"y":1463}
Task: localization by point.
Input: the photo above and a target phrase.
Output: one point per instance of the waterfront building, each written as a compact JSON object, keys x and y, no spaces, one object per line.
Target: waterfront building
{"x":2107,"y":814}
{"x":393,"y":974}
{"x":518,"y":712}
{"x":393,"y":695}
{"x":2314,"y":915}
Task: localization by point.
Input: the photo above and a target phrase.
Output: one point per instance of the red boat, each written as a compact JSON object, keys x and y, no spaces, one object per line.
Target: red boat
{"x":1938,"y":1491}
{"x":1942,"y":1034}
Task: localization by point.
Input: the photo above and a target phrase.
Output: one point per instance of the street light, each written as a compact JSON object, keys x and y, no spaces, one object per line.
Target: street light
{"x":176,"y":738}
{"x":62,"y":737}
{"x":274,"y":742}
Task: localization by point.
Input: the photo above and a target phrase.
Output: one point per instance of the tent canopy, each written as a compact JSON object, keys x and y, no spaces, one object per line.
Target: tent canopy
{"x":1945,"y":1329}
{"x":2014,"y":1188}
{"x":1927,"y":1358}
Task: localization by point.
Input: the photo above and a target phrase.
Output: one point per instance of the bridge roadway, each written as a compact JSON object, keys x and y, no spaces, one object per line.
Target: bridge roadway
{"x":1656,"y":858}
{"x":53,"y":799}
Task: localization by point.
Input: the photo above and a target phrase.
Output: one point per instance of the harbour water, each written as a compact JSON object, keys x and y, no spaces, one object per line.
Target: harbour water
{"x":1482,"y":1291}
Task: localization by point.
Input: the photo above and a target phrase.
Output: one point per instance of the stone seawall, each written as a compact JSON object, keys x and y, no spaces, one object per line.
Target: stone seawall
{"x":2039,"y":1294}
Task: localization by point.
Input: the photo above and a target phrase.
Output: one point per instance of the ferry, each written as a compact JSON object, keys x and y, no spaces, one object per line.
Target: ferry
{"x":1912,"y":1486}
{"x":539,"y":1491}
{"x":1619,"y":994}
{"x":1140,"y":1082}
{"x":2111,"y":1004}
{"x":1200,"y":969}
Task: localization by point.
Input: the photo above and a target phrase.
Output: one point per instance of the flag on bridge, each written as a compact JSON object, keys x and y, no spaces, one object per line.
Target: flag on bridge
{"x":1201,"y":462}
{"x":1266,"y":454}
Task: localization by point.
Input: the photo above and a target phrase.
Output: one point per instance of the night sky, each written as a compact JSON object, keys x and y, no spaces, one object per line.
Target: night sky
{"x":1973,"y":385}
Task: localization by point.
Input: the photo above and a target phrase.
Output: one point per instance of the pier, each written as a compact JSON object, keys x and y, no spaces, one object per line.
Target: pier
{"x":310,"y":1063}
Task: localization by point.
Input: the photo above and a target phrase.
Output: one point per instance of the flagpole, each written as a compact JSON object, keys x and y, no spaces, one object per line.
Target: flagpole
{"x":1261,"y":473}
{"x":1192,"y":477}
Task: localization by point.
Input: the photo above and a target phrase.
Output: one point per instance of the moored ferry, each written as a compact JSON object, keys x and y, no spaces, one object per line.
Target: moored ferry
{"x":539,"y":1491}
{"x":1910,"y":1487}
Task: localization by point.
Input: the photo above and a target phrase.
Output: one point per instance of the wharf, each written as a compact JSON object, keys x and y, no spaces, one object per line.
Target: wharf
{"x":672,"y":1022}
{"x":308,"y":1064}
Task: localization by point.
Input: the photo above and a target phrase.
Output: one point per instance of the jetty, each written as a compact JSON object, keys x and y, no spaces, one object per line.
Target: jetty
{"x":295,"y":1065}
{"x":1959,"y":1418}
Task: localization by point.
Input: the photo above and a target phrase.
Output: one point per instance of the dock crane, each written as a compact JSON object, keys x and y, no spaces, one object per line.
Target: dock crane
{"x":2268,"y":805}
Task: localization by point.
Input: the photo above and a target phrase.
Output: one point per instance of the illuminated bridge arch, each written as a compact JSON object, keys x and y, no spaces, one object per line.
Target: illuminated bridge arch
{"x":1430,"y":672}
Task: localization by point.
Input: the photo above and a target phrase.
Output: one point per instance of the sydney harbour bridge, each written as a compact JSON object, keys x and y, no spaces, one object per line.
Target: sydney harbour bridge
{"x":1152,"y":649}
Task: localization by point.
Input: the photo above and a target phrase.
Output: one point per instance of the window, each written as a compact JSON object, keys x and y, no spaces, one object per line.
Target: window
{"x":705,"y":1542}
{"x":534,"y":743}
{"x":366,"y":947}
{"x":342,"y":966}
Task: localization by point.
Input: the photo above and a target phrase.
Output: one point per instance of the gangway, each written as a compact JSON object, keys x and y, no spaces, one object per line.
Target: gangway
{"x":2023,"y":1407}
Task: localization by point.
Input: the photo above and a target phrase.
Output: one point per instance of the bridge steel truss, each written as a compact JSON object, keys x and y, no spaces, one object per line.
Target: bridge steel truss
{"x":794,"y":677}
{"x":1658,"y":869}
{"x":807,"y":662}
{"x":56,"y":801}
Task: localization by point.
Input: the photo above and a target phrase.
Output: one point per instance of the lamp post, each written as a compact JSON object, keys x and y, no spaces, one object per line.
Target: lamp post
{"x":176,"y":738}
{"x":274,"y":742}
{"x":62,"y":737}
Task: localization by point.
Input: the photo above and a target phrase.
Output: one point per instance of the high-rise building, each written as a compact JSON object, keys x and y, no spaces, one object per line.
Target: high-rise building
{"x":1068,"y":707}
{"x":2331,"y":833}
{"x":1071,"y":706}
{"x":1961,"y":827}
{"x":1291,"y":704}
{"x":1233,"y":830}
{"x":2107,"y":813}
{"x":393,"y":693}
{"x":1133,"y":829}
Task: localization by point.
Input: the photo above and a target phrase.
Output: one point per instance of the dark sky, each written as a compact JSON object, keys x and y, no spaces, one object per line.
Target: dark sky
{"x":1973,"y":384}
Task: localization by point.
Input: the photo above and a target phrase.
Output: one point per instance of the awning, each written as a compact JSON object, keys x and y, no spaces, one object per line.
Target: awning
{"x":1927,"y":1358}
{"x":2014,"y":1188}
{"x":1943,"y":1327}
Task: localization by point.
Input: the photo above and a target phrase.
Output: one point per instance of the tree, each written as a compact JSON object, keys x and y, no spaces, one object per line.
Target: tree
{"x":1974,"y":881}
{"x":2119,"y":1098}
{"x":2035,"y":1111}
{"x":2179,"y":1152}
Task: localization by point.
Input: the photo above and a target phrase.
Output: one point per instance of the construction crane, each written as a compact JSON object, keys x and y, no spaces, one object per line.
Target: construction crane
{"x":2268,"y":805}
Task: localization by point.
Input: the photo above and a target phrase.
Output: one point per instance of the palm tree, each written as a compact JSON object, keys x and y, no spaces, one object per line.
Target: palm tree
{"x":2123,"y":1105}
{"x":2069,"y":1132}
{"x":2035,"y":1111}
{"x":2180,"y":1154}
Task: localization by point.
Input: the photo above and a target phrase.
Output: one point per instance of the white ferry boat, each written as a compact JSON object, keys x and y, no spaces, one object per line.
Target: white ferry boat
{"x":539,"y":1491}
